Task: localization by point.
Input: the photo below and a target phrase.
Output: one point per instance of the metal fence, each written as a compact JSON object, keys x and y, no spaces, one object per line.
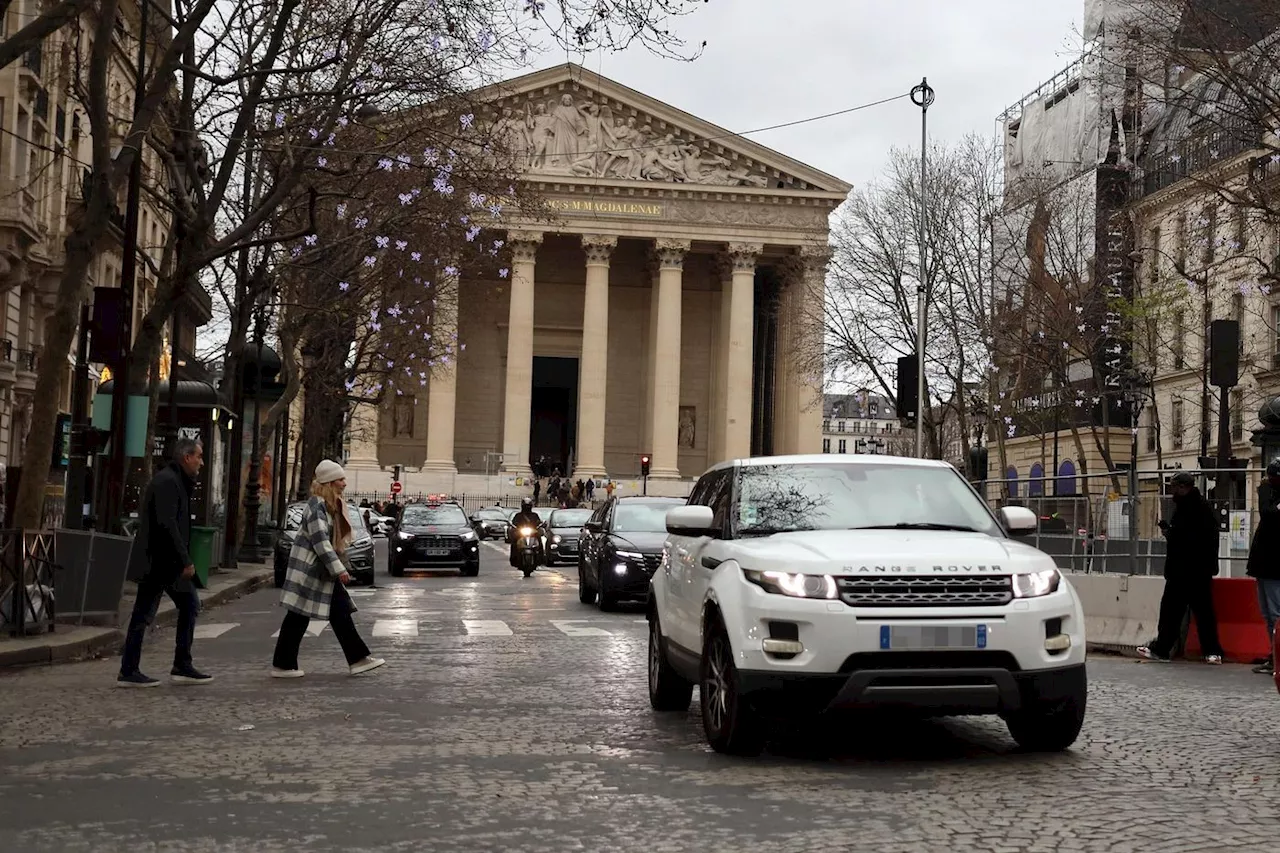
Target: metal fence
{"x":470,"y":503}
{"x":1103,"y":525}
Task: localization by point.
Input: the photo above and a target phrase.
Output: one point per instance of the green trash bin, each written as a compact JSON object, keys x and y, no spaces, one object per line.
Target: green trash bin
{"x":202,"y":553}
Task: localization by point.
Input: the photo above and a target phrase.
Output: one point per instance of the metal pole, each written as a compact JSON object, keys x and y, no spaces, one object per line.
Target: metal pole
{"x":252,"y":489}
{"x":174,"y":324}
{"x":1133,"y":485}
{"x":114,"y":503}
{"x":78,"y":458}
{"x":922,"y":96}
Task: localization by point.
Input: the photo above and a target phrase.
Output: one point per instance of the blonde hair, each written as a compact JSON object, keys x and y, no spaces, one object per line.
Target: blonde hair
{"x":332,"y":498}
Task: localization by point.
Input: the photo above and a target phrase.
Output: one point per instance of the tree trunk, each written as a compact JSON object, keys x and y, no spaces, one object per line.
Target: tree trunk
{"x":324,"y":402}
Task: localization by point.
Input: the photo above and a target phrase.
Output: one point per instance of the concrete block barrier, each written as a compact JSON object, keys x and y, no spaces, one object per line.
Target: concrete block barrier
{"x":1120,"y":611}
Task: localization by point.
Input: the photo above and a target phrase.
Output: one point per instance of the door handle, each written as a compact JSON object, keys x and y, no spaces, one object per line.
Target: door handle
{"x":711,"y":563}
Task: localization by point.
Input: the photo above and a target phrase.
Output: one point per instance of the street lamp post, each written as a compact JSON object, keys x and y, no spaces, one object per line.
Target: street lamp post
{"x":1134,"y":397}
{"x":922,"y":96}
{"x":252,"y":550}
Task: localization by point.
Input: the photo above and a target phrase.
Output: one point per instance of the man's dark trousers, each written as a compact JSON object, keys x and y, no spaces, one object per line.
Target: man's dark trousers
{"x":150,"y":590}
{"x":1195,"y":592}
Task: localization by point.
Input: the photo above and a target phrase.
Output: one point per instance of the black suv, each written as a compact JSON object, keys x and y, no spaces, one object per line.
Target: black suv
{"x":434,"y":536}
{"x":621,"y":547}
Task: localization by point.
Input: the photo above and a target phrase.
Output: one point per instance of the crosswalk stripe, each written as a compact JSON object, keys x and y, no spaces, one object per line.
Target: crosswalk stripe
{"x":214,"y":629}
{"x":395,"y":628}
{"x":487,"y":627}
{"x":571,"y":628}
{"x":314,"y":629}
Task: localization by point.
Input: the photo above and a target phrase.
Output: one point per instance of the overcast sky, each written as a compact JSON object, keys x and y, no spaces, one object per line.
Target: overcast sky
{"x":772,"y":61}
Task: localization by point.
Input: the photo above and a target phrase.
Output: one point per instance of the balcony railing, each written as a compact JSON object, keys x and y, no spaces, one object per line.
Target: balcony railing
{"x":27,"y":360}
{"x":31,"y":60}
{"x":6,"y":350}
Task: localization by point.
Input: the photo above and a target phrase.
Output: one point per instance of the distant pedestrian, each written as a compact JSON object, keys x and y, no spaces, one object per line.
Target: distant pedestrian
{"x":537,"y":489}
{"x":1264,"y":556}
{"x":591,"y":489}
{"x":315,"y":583}
{"x":160,"y":555}
{"x":1189,"y":567}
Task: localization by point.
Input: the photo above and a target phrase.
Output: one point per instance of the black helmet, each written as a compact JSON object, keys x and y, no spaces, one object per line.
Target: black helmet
{"x":527,"y":503}
{"x":1273,"y":468}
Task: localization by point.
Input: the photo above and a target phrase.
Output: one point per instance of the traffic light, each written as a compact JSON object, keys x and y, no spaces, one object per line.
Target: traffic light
{"x":644,"y":465}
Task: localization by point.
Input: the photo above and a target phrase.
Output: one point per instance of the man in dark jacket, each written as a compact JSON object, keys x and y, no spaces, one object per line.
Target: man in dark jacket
{"x":1189,"y":567}
{"x":1264,"y":555}
{"x":160,"y":552}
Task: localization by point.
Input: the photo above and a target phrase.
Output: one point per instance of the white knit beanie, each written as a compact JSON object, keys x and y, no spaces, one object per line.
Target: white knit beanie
{"x":328,"y":471}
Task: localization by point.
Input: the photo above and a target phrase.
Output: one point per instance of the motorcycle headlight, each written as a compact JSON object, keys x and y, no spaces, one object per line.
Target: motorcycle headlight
{"x":1036,"y":584}
{"x":526,"y":531}
{"x":794,"y":585}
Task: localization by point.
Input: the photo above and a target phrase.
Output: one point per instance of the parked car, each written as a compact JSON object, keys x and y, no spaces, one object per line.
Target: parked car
{"x":620,"y":549}
{"x":813,"y":583}
{"x":432,"y":536}
{"x":492,"y":522}
{"x":561,"y":531}
{"x":359,"y":550}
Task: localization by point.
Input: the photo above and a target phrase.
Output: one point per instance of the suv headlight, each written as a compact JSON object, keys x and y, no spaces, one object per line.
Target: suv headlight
{"x":468,"y":536}
{"x":794,"y":585}
{"x":1036,"y":584}
{"x":629,"y":555}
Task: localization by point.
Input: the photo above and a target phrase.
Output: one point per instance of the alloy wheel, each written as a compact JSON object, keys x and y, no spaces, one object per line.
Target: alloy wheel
{"x":717,"y":684}
{"x":655,"y":657}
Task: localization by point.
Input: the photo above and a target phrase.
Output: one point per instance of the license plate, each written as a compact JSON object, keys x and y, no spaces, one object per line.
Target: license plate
{"x":907,"y":637}
{"x":435,"y":552}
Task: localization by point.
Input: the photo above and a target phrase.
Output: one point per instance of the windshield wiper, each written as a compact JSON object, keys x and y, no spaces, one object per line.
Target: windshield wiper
{"x":918,"y":525}
{"x":766,"y":531}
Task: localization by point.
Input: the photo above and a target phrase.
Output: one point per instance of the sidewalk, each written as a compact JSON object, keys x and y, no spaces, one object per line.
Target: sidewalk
{"x":72,"y":642}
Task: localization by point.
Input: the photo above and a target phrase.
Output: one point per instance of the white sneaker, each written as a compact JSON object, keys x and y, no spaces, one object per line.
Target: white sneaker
{"x":276,"y":672}
{"x":366,"y":665}
{"x":1216,"y":660}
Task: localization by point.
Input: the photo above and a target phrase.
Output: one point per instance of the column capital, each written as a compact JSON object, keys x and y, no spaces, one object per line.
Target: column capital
{"x":524,"y":244}
{"x":669,"y":254}
{"x":809,"y":262}
{"x":598,"y":247}
{"x":741,"y":257}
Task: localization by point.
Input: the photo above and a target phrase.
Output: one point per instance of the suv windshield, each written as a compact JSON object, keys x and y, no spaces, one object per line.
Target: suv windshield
{"x":781,"y":498}
{"x":648,"y":517}
{"x":433,"y":516}
{"x":570,"y":517}
{"x":492,"y":514}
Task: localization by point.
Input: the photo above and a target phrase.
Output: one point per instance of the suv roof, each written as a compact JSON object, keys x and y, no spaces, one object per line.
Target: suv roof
{"x":832,"y":459}
{"x":649,"y":499}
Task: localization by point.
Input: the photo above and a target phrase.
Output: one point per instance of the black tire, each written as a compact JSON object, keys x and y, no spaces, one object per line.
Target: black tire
{"x":527,"y":572}
{"x":668,"y":690}
{"x":470,"y":570}
{"x":586,"y":593}
{"x":1050,"y":726}
{"x":396,"y":571}
{"x":731,"y":725}
{"x":608,"y":601}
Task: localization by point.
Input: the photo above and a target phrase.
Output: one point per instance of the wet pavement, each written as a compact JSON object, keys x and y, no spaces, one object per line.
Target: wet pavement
{"x":511,"y":717}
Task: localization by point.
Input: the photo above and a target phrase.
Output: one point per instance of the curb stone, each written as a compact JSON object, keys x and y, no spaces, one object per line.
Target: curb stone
{"x":107,"y":641}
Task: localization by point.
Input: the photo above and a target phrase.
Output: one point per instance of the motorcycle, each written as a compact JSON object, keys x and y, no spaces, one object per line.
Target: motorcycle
{"x":528,"y":549}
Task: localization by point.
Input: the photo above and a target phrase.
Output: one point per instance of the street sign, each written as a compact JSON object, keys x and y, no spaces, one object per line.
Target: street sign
{"x":396,"y":487}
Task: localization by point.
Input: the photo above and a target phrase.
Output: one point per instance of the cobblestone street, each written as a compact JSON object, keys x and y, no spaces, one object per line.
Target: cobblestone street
{"x":511,"y":717}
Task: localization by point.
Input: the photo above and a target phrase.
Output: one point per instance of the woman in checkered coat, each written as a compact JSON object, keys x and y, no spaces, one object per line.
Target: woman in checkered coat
{"x":314,"y":584}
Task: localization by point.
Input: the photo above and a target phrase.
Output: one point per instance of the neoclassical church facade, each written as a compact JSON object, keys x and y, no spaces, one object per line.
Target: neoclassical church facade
{"x":672,"y":308}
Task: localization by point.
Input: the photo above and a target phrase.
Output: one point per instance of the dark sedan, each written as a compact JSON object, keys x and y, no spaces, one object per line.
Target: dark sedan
{"x":562,"y":529}
{"x":434,"y":536}
{"x":492,"y":522}
{"x":359,"y":551}
{"x":621,"y":548}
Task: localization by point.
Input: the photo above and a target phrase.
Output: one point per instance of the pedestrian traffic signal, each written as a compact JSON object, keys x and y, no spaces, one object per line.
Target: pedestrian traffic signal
{"x":644,"y":465}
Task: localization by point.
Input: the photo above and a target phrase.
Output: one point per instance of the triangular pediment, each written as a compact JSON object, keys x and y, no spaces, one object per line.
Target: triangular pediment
{"x":569,"y":123}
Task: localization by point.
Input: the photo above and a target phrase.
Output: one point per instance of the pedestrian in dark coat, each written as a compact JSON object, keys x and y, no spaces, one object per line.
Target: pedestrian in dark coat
{"x":315,"y":582}
{"x":1264,"y":555}
{"x":1189,"y":568}
{"x":161,"y":557}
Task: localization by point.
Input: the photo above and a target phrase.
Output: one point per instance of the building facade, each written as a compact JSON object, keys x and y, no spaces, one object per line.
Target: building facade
{"x":863,"y":422}
{"x":671,"y":308}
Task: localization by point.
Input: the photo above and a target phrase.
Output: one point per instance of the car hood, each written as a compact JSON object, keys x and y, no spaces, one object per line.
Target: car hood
{"x":887,"y":552}
{"x":643,"y":542}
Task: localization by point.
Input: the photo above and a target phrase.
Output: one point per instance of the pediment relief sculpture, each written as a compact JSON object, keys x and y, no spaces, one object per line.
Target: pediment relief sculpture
{"x":583,"y":137}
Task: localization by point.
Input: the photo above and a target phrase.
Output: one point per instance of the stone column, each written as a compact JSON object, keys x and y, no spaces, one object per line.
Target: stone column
{"x":801,"y":320}
{"x":664,"y":388}
{"x":593,"y":367}
{"x":738,"y":325}
{"x":442,"y":387}
{"x":519,"y":385}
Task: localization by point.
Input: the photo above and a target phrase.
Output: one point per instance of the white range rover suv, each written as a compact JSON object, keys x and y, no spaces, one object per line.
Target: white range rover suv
{"x":798,"y":584}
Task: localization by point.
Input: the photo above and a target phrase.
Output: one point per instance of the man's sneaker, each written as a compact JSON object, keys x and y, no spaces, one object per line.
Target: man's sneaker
{"x":366,"y":665}
{"x":136,"y":679}
{"x":1146,"y":653}
{"x":189,"y":675}
{"x":1216,"y":660}
{"x":1265,"y":668}
{"x":277,"y":672}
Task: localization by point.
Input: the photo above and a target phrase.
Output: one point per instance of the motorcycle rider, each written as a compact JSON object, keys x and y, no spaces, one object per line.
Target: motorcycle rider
{"x":525,"y":517}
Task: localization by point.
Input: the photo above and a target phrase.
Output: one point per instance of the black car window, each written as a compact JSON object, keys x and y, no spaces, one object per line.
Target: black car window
{"x":642,"y":516}
{"x":493,"y":514}
{"x":569,"y":518}
{"x":433,"y":516}
{"x":699,"y":494}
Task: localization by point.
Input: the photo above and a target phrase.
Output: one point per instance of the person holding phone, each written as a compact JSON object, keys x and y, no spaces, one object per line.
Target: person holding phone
{"x":315,"y":581}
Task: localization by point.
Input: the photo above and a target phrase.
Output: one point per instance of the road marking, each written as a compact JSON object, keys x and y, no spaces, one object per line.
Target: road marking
{"x":314,"y":628}
{"x":214,"y":629}
{"x":487,"y":627}
{"x":571,"y":628}
{"x":395,"y":628}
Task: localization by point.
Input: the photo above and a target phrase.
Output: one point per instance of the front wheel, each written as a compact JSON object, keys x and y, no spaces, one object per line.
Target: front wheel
{"x":668,"y":690}
{"x":586,"y":593}
{"x":1048,"y":726}
{"x":731,"y":725}
{"x":396,"y":571}
{"x":470,"y":570}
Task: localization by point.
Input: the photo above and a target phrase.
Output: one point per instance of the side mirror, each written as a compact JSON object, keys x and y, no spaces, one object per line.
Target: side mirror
{"x":1019,"y":520}
{"x":691,"y":521}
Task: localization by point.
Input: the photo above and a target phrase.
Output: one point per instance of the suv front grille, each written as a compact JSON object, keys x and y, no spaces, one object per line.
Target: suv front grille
{"x":651,"y":562}
{"x":450,"y":542}
{"x":926,"y":591}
